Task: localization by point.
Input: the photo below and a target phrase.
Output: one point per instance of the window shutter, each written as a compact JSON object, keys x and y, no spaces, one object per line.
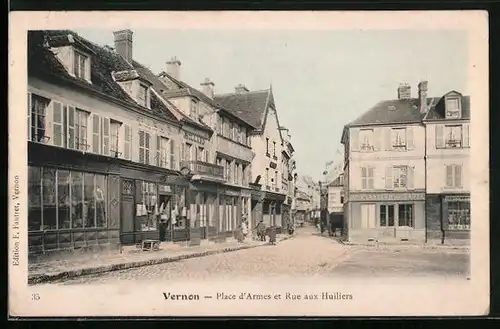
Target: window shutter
{"x":159,"y":159}
{"x":409,"y":138}
{"x":57,"y":124}
{"x":387,"y":139}
{"x":411,"y":175}
{"x":376,"y":139}
{"x":439,"y":136}
{"x":96,"y":133}
{"x":127,"y":143}
{"x":371,"y":177}
{"x":449,"y":176}
{"x":363,"y":178}
{"x":105,"y":135}
{"x":388,"y":178}
{"x":29,"y":116}
{"x":354,"y":139}
{"x":458,"y":176}
{"x":147,"y":148}
{"x":466,"y":138}
{"x":73,"y":142}
{"x":142,"y":144}
{"x":172,"y":155}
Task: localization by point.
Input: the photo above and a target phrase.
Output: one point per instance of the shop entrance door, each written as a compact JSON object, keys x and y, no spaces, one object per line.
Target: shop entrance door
{"x":127,"y":211}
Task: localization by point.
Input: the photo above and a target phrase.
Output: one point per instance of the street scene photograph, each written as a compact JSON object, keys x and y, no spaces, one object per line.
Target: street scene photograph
{"x":162,"y":155}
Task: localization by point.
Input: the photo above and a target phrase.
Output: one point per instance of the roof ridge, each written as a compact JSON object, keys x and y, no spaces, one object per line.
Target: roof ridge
{"x":245,"y":93}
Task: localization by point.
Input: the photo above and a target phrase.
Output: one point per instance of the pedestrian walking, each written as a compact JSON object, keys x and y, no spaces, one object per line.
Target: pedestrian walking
{"x":261,"y":230}
{"x":272,"y":235}
{"x":244,"y":228}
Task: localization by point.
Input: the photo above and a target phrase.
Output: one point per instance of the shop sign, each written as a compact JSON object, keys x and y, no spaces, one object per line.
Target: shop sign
{"x":452,"y":198}
{"x":165,"y":188}
{"x":194,"y":138}
{"x":386,"y":196}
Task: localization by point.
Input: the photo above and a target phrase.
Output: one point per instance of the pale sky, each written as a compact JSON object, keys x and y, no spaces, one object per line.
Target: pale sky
{"x":321,"y":80}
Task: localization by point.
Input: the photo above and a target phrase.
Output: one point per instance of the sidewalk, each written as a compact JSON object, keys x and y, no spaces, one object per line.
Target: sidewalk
{"x":430,"y":245}
{"x":131,"y":257}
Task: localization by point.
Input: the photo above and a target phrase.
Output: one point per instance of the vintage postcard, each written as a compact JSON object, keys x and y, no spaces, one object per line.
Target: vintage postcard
{"x":248,"y":164}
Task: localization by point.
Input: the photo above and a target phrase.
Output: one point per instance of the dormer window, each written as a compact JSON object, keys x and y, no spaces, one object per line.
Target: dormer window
{"x":142,"y":95}
{"x":194,"y":109}
{"x":80,"y":65}
{"x":453,"y":108}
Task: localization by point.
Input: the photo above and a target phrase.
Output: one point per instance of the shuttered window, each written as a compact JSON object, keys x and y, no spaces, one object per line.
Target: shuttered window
{"x":57,"y":124}
{"x":453,"y":176}
{"x":367,"y":178}
{"x":144,"y":147}
{"x":96,"y":133}
{"x":127,"y":142}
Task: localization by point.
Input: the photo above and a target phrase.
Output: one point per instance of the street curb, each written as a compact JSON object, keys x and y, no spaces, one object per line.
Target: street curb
{"x":45,"y":278}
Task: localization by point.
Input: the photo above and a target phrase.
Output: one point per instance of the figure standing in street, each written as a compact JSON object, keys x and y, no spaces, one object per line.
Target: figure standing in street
{"x":272,"y":235}
{"x":261,"y":230}
{"x":244,"y":228}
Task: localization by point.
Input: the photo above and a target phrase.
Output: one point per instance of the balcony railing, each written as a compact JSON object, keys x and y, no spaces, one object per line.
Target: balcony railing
{"x":204,"y":168}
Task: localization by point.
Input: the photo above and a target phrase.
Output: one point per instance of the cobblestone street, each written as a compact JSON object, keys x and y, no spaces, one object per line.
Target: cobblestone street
{"x":307,"y":254}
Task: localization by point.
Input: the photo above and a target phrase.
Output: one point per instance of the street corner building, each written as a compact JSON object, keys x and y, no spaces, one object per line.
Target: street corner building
{"x":118,"y":154}
{"x":273,"y":164}
{"x":406,"y":169}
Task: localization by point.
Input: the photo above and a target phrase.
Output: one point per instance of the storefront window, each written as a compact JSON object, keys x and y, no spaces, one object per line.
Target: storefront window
{"x":63,"y":195}
{"x":34,"y":199}
{"x":179,"y":209}
{"x":150,"y":206}
{"x":405,"y":215}
{"x":88,"y":203}
{"x":64,"y":199}
{"x":459,"y":215}
{"x":49,"y":199}
{"x":77,"y":205}
{"x":100,"y":196}
{"x":386,"y":215}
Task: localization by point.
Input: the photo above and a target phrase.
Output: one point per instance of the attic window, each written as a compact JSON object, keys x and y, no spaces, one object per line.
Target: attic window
{"x":80,"y":65}
{"x":142,"y":95}
{"x":453,"y":108}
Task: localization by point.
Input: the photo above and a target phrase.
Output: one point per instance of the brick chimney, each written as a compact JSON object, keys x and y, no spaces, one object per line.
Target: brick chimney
{"x":422,"y":96}
{"x":123,"y":44}
{"x":404,"y":91}
{"x":241,"y":89}
{"x":174,"y":68}
{"x":208,"y":88}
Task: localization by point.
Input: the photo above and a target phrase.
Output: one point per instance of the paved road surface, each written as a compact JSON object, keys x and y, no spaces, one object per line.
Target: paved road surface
{"x":307,"y":254}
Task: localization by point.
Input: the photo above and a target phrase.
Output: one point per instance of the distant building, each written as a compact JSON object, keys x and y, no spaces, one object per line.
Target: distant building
{"x":336,"y":195}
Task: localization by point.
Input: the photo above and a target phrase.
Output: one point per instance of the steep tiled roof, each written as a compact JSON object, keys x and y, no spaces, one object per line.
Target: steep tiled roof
{"x":183,"y":89}
{"x":250,"y":106}
{"x":41,"y":61}
{"x":393,"y":111}
{"x":160,"y":88}
{"x":437,"y":112}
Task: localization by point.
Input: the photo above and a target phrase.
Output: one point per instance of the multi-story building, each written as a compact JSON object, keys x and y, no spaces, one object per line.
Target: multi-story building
{"x":406,"y":168}
{"x":447,"y":161}
{"x":259,"y":110}
{"x":288,"y":167}
{"x":336,"y":196}
{"x":220,"y":193}
{"x":385,"y":170}
{"x":94,"y":121}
